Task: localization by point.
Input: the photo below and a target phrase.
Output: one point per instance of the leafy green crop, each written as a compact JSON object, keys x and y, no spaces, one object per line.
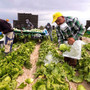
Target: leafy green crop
{"x":22,"y":85}
{"x":84,"y":64}
{"x":45,"y":47}
{"x":53,"y":77}
{"x":78,"y":79}
{"x":29,"y":80}
{"x":11,"y":65}
{"x":64,"y":48}
{"x":1,"y":36}
{"x":80,"y":87}
{"x":87,"y":35}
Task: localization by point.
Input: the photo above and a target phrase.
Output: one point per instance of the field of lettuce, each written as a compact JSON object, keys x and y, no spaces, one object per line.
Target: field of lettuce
{"x":52,"y":73}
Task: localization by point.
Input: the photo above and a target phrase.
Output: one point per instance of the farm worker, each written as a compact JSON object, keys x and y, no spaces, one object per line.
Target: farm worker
{"x":68,"y":29}
{"x":46,"y":32}
{"x":29,"y":24}
{"x":7,"y":20}
{"x":7,"y":30}
{"x":49,"y":29}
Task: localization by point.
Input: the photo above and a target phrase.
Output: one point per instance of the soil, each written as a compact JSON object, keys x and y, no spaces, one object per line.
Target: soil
{"x":74,"y":85}
{"x":86,"y":39}
{"x":29,"y":73}
{"x":17,"y":48}
{"x":84,"y":83}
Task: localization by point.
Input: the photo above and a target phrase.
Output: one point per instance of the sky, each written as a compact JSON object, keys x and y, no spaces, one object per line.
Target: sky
{"x":45,"y":9}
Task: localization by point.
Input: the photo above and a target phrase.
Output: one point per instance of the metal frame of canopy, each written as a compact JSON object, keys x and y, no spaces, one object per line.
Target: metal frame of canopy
{"x":34,"y":35}
{"x":28,"y":33}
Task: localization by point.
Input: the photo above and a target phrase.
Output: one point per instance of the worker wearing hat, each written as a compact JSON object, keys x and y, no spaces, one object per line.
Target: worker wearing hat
{"x":68,"y":29}
{"x":7,"y":30}
{"x":7,"y":20}
{"x":49,"y":29}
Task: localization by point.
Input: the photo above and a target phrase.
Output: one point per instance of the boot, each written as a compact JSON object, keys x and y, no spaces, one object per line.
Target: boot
{"x":73,"y":62}
{"x":70,"y":61}
{"x":66,"y":59}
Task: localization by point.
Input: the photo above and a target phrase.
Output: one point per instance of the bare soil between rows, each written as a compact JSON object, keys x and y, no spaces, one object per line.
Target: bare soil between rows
{"x":29,"y":73}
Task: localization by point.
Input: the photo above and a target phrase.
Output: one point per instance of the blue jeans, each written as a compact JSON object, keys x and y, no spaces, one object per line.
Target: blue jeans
{"x":9,"y":42}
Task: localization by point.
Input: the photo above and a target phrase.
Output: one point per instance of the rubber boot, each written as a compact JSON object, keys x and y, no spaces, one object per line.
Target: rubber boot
{"x":67,"y":59}
{"x":73,"y":62}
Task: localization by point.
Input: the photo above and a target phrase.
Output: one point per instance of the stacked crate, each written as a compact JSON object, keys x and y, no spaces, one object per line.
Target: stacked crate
{"x":21,"y":22}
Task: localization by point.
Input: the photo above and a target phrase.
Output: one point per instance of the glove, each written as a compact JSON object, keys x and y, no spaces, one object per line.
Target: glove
{"x":71,"y":41}
{"x":0,"y":33}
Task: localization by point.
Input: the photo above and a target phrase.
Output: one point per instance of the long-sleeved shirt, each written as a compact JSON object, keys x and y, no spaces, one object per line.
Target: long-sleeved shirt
{"x":48,"y":27}
{"x":5,"y":27}
{"x":73,"y":29}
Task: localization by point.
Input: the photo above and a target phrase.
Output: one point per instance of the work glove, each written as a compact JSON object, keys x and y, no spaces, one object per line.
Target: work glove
{"x":71,"y":40}
{"x":0,"y":33}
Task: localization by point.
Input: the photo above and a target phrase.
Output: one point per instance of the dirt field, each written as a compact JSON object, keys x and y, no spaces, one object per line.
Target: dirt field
{"x":84,"y":83}
{"x":29,"y":73}
{"x":85,"y":39}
